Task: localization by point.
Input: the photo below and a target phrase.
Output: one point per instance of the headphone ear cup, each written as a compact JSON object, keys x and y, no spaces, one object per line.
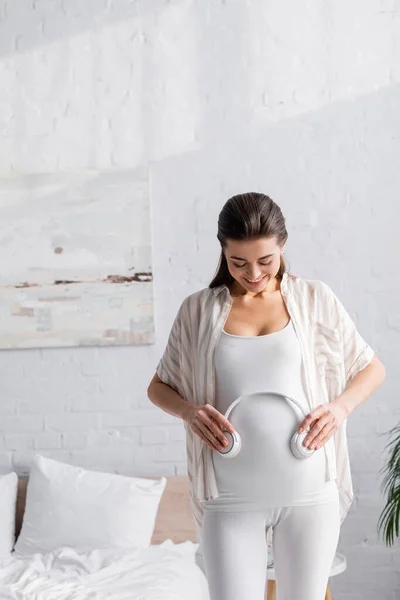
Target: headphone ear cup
{"x":296,"y":445}
{"x":234,"y":445}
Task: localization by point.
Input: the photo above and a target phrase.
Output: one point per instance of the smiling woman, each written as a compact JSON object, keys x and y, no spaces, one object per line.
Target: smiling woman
{"x":252,"y":233}
{"x":258,"y":271}
{"x":257,"y":304}
{"x":259,"y":328}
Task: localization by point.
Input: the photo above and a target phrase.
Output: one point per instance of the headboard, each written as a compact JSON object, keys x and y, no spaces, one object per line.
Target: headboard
{"x":174,"y":518}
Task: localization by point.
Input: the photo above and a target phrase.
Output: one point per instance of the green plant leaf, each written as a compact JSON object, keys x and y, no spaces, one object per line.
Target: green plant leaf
{"x":389,"y":519}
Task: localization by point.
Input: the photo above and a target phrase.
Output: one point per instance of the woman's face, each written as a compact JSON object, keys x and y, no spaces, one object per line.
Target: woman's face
{"x":253,"y":263}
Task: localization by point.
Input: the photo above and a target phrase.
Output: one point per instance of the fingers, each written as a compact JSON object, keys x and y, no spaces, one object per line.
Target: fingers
{"x":317,"y":437}
{"x":208,"y":423}
{"x":221,"y":419}
{"x":207,"y":437}
{"x":215,"y":429}
{"x":313,"y":416}
{"x":322,"y":442}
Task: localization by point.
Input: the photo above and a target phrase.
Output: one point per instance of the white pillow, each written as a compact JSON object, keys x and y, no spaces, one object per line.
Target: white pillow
{"x":86,"y":510}
{"x":8,"y":500}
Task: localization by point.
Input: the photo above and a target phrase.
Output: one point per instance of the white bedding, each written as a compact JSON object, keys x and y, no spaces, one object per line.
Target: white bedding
{"x":160,"y":572}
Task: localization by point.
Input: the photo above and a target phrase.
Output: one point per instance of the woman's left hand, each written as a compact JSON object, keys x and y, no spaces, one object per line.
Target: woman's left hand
{"x":323,"y":421}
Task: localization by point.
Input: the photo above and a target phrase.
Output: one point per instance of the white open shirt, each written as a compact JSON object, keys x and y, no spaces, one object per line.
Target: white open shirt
{"x":333,"y":352}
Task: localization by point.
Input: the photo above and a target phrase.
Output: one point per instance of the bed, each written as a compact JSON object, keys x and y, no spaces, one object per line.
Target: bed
{"x":164,"y":571}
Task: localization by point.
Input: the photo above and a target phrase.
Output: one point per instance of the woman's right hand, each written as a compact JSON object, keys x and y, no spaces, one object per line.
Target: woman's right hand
{"x":208,"y":423}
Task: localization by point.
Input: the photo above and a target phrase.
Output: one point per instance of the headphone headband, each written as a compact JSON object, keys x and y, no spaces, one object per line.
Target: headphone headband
{"x":296,"y":442}
{"x":232,"y":406}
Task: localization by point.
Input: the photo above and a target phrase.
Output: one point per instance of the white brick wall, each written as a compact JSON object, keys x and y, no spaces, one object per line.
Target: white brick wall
{"x":299,"y":101}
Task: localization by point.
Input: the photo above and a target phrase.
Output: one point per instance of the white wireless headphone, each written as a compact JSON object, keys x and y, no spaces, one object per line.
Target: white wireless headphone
{"x":296,"y":443}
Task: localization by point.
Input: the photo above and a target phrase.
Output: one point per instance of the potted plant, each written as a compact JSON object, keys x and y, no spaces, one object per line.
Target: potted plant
{"x":390,"y":516}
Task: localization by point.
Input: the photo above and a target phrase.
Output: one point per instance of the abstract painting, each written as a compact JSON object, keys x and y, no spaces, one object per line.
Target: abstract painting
{"x":76,"y":259}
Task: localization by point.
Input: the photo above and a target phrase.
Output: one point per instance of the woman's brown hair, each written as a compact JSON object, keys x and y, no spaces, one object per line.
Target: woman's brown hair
{"x":248,"y":217}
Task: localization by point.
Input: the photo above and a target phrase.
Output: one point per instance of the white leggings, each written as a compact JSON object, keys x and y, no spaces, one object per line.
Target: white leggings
{"x":266,"y":486}
{"x":234,"y":548}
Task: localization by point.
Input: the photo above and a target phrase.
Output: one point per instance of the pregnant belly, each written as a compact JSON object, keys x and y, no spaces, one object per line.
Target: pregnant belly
{"x":265,"y":468}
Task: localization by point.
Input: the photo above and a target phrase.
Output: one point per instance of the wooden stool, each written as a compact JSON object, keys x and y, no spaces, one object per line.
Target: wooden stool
{"x":339,"y":565}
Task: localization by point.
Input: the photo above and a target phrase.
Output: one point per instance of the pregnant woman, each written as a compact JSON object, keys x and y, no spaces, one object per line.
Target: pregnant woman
{"x":260,"y":332}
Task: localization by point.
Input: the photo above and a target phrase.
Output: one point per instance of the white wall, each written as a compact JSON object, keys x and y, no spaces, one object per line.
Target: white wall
{"x":218,"y":97}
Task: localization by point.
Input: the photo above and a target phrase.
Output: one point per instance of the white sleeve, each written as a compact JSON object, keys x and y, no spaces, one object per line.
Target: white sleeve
{"x":357,"y":354}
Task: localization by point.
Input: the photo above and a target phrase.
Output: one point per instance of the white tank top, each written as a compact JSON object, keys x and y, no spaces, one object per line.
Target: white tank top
{"x":265,"y":363}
